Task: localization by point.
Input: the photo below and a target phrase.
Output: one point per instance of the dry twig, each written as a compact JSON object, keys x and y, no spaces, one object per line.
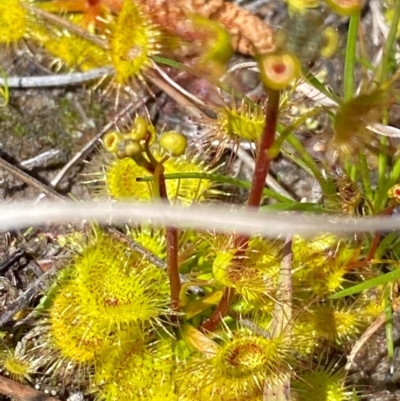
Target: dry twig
{"x":361,"y":342}
{"x":20,"y":392}
{"x":27,"y":179}
{"x":92,"y":143}
{"x":38,"y":285}
{"x":46,"y":81}
{"x":281,"y":322}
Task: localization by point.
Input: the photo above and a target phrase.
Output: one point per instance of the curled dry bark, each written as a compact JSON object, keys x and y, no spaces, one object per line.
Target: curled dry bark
{"x":250,"y":34}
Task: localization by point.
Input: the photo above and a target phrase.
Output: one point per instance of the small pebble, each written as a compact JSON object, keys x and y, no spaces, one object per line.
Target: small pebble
{"x":78,"y":396}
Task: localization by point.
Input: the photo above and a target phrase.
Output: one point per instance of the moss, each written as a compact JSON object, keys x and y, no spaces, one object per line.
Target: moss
{"x":40,"y":120}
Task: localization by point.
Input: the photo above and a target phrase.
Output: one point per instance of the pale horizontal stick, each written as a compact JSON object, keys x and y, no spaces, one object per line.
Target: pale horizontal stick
{"x":44,"y":81}
{"x":221,"y":218}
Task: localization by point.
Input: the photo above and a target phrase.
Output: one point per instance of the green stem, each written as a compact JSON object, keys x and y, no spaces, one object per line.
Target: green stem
{"x":383,"y":161}
{"x":388,"y":47}
{"x":350,"y":58}
{"x":218,"y":178}
{"x":365,"y":173}
{"x":395,"y":173}
{"x":389,"y":326}
{"x":306,"y":160}
{"x":348,"y":78}
{"x":313,"y":80}
{"x":283,"y":134}
{"x":384,"y":142}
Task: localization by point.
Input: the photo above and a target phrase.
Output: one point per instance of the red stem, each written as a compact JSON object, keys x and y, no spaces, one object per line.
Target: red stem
{"x":257,"y":187}
{"x":221,"y":310}
{"x":374,"y":245}
{"x":171,"y":241}
{"x":263,"y":160}
{"x":173,"y":265}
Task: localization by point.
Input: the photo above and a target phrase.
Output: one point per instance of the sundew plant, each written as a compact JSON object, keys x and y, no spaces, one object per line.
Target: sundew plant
{"x":170,"y":312}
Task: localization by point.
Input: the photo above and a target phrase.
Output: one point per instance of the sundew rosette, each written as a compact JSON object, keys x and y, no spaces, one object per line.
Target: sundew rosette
{"x":133,"y":43}
{"x":233,"y":124}
{"x":321,"y":263}
{"x":17,"y":366}
{"x":331,"y":324}
{"x":13,"y":21}
{"x":139,"y":372}
{"x":322,"y":384}
{"x":150,"y":238}
{"x":252,"y":272}
{"x":121,"y":180}
{"x":77,"y":335}
{"x":235,"y":368}
{"x":117,"y":286}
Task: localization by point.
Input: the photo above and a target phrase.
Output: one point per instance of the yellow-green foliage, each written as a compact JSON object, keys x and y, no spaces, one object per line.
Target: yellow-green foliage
{"x":135,"y":39}
{"x":319,"y":266}
{"x":140,"y":372}
{"x":17,"y":367}
{"x":77,"y":334}
{"x":215,"y":48}
{"x":75,"y":51}
{"x":186,"y":190}
{"x":244,"y":122}
{"x":235,"y":370}
{"x":135,"y":158}
{"x":251,"y":274}
{"x":100,"y":314}
{"x":151,"y":239}
{"x":120,"y":179}
{"x":13,"y":21}
{"x":134,"y":328}
{"x":321,"y":384}
{"x":116,"y":285}
{"x":104,"y":305}
{"x":321,"y":263}
{"x":326,"y":325}
{"x":389,"y":14}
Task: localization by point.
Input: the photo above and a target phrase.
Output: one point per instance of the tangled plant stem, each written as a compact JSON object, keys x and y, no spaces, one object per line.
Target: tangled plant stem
{"x":173,"y":265}
{"x":172,"y":244}
{"x":257,"y":187}
{"x":263,"y":160}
